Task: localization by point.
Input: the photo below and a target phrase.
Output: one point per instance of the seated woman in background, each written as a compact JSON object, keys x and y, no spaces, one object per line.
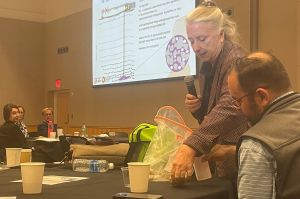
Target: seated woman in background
{"x":11,"y":135}
{"x":21,"y":123}
{"x":42,"y":128}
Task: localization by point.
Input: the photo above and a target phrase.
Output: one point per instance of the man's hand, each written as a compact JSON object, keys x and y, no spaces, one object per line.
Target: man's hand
{"x":192,"y":103}
{"x":220,"y":153}
{"x":182,"y":166}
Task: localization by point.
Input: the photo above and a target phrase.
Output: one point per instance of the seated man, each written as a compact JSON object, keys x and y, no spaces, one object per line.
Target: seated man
{"x":268,"y":153}
{"x":42,"y":128}
{"x":10,"y":134}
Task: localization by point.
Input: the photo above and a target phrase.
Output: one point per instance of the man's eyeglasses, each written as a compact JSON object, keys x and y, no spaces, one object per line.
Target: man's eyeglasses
{"x":238,"y":102}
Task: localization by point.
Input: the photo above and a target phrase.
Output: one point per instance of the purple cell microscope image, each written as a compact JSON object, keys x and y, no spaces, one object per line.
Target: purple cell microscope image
{"x":177,"y":53}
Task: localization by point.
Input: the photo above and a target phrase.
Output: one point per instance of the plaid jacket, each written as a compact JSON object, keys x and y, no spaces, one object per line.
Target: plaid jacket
{"x":223,"y":123}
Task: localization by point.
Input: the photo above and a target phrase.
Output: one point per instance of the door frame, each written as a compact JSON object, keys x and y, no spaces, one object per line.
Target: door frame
{"x":53,"y":100}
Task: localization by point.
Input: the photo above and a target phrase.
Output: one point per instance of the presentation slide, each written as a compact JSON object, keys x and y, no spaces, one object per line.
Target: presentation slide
{"x":140,"y":40}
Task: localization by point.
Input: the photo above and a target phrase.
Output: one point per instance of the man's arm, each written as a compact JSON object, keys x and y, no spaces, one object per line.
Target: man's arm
{"x":220,"y":153}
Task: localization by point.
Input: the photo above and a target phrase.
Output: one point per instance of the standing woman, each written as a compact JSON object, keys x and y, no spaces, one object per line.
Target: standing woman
{"x":214,"y":39}
{"x":10,"y":134}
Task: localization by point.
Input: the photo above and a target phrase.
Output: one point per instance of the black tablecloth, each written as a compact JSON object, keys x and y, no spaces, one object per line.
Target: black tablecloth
{"x":104,"y":185}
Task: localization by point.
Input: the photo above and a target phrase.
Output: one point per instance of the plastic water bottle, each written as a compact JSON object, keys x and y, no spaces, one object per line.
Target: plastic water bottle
{"x":96,"y":166}
{"x":83,"y":131}
{"x":50,"y":127}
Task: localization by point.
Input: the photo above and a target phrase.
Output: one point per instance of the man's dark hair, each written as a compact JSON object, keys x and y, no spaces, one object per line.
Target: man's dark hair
{"x":261,"y":71}
{"x":7,"y":110}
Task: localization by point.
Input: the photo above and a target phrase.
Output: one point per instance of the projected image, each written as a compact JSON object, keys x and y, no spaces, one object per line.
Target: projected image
{"x":116,"y":60}
{"x":177,"y":53}
{"x":140,"y":40}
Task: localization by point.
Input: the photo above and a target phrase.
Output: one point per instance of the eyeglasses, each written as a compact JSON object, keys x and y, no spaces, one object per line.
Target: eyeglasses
{"x":238,"y":102}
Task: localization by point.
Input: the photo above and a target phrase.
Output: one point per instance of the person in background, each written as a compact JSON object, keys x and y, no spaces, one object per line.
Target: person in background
{"x":10,"y":134}
{"x":21,"y":123}
{"x":214,"y":39}
{"x":42,"y":128}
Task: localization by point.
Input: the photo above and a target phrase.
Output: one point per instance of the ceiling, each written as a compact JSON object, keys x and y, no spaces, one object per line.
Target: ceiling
{"x":41,"y":10}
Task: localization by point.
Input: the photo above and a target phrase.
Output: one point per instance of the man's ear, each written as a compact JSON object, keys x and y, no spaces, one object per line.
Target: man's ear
{"x":263,"y":96}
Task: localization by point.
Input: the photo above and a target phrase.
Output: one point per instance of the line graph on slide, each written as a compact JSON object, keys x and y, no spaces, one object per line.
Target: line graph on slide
{"x":115,"y":41}
{"x":140,"y":40}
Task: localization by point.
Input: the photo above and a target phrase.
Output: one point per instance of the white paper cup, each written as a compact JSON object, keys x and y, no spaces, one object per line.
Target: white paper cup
{"x":139,"y":176}
{"x":111,"y":134}
{"x":13,"y":156}
{"x":26,"y":155}
{"x":32,"y":177}
{"x":60,"y":132}
{"x":125,"y":174}
{"x":52,"y":135}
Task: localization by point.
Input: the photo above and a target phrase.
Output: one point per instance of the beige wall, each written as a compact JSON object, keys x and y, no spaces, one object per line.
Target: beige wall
{"x":242,"y":16}
{"x":56,"y":9}
{"x":124,"y":105}
{"x":22,"y":66}
{"x":278,"y":33}
{"x":41,"y":10}
{"x":29,"y":10}
{"x":298,"y":45}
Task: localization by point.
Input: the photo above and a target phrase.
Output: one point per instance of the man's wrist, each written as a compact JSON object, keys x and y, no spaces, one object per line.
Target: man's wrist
{"x":231,"y":150}
{"x":190,"y":150}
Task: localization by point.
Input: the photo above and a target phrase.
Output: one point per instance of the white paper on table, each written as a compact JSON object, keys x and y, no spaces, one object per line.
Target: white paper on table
{"x":48,"y":139}
{"x":53,"y":180}
{"x":9,"y":197}
{"x":202,"y":169}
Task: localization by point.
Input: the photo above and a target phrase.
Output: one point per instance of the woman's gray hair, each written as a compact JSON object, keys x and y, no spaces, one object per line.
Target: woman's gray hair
{"x":213,"y":14}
